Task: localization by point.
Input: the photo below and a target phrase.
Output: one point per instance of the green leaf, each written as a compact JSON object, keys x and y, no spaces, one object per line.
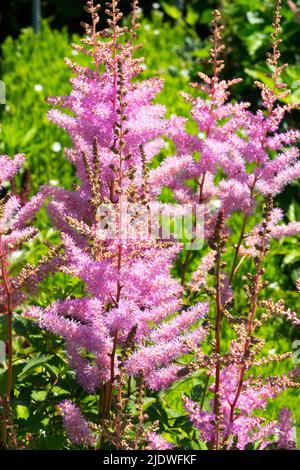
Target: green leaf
{"x":206,"y":16}
{"x":254,"y":18}
{"x":35,"y":362}
{"x":39,"y":395}
{"x":3,"y":327}
{"x":171,"y":10}
{"x":16,"y":369}
{"x":22,"y":412}
{"x":148,"y":402}
{"x":28,"y":137}
{"x":191,"y":16}
{"x":254,"y":42}
{"x":48,"y":443}
{"x":291,"y":213}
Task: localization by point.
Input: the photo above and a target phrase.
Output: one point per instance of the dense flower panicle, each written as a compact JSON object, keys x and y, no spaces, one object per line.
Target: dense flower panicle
{"x":147,"y":359}
{"x":288,"y":230}
{"x":14,"y":232}
{"x":172,"y":173}
{"x":248,"y":149}
{"x":202,"y":420}
{"x":163,"y":378}
{"x":275,"y":230}
{"x":157,"y":442}
{"x":250,"y":139}
{"x":131,"y":319}
{"x":286,"y":430}
{"x":246,"y":428}
{"x":28,"y":211}
{"x":10,"y":166}
{"x":173,"y":328}
{"x":77,"y":428}
{"x":199,"y":276}
{"x":87,"y":331}
{"x":95,"y":116}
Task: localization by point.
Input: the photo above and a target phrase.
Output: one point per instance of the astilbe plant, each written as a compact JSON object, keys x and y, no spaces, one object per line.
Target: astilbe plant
{"x":15,"y":216}
{"x":242,"y":161}
{"x":119,"y":337}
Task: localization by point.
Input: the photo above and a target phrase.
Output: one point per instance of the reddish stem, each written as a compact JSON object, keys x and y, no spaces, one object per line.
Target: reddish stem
{"x":254,"y":300}
{"x":216,"y":405}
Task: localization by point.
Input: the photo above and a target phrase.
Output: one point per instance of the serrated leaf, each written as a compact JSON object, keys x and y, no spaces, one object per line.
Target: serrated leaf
{"x":39,"y":395}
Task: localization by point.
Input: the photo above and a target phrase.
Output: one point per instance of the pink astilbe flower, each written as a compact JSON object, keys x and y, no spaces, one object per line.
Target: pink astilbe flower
{"x":245,"y":150}
{"x":275,"y":229}
{"x":173,"y":328}
{"x":199,"y":276}
{"x":77,"y":427}
{"x":157,"y":442}
{"x":286,"y":430}
{"x":86,"y":332}
{"x":163,"y":378}
{"x":14,"y":231}
{"x":202,"y":420}
{"x":246,"y":428}
{"x":146,"y":359}
{"x":10,"y":166}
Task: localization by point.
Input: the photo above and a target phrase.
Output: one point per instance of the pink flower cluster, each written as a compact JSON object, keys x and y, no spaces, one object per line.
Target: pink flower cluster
{"x":14,"y":231}
{"x":246,"y":427}
{"x":77,"y":428}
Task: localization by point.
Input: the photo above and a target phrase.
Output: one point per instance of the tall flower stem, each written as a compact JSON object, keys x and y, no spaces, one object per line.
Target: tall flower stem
{"x":218,"y":244}
{"x":118,"y":148}
{"x":255,"y":289}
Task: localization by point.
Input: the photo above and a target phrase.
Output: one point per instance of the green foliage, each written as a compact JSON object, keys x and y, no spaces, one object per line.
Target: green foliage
{"x":247,"y":38}
{"x":32,"y":69}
